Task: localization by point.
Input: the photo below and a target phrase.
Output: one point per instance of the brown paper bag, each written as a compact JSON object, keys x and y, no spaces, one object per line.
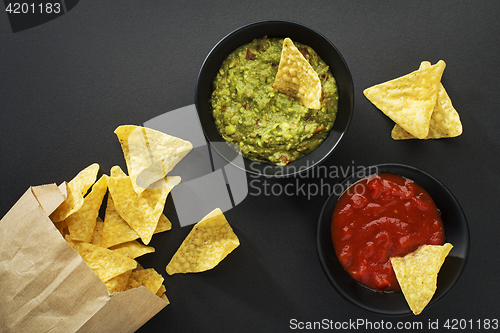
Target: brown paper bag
{"x":45,"y":286}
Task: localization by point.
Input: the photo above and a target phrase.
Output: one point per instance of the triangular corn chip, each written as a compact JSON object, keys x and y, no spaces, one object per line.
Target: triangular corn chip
{"x":132,"y":284}
{"x":97,"y":235}
{"x":117,"y":231}
{"x":417,"y":274}
{"x":149,"y":154}
{"x":148,"y":278}
{"x":445,"y":121}
{"x":104,"y":262}
{"x":132,"y":249}
{"x":118,"y":283}
{"x":409,"y":100}
{"x":164,"y":224}
{"x":297,"y":78}
{"x":140,"y":211}
{"x":210,"y":241}
{"x":161,"y":291}
{"x":62,"y":227}
{"x":81,"y":224}
{"x":76,"y":189}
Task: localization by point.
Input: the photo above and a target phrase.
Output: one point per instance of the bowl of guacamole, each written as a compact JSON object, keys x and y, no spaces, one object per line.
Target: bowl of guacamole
{"x":241,"y":112}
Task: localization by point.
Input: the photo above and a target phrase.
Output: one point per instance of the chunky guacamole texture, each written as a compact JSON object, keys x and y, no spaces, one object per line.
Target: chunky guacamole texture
{"x":265,"y":125}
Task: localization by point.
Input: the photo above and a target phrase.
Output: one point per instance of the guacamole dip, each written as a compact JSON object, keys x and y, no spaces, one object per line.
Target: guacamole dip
{"x":264,"y":124}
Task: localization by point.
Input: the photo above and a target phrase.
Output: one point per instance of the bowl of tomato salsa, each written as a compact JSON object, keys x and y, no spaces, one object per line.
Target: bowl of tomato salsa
{"x":384,"y":211}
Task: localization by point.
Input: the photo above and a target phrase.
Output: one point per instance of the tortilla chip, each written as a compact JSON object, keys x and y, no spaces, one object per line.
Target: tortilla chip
{"x":409,"y":100}
{"x":297,"y":78}
{"x":140,"y":211}
{"x":148,"y":278}
{"x":161,"y":291}
{"x":164,"y":224}
{"x":117,"y":231}
{"x":132,"y":249}
{"x":76,"y":189}
{"x":62,"y":227}
{"x":97,"y":235}
{"x":445,"y":121}
{"x":105,"y":263}
{"x":417,"y":274}
{"x":132,"y":284}
{"x":210,"y":241}
{"x":81,"y":223}
{"x":118,"y":283}
{"x":149,"y":154}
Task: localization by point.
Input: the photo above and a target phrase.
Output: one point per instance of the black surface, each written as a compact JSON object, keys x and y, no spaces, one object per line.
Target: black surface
{"x":65,"y":85}
{"x":394,"y":303}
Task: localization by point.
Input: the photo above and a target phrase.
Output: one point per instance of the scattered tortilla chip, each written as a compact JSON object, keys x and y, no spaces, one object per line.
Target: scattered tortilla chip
{"x":164,"y":224}
{"x":76,"y":189}
{"x":97,"y":235}
{"x":297,"y":78}
{"x":105,"y":263}
{"x":417,"y":274}
{"x":118,"y":283}
{"x":148,"y":278}
{"x":445,"y":120}
{"x":409,"y":100}
{"x":132,"y":249}
{"x":210,"y":241}
{"x":140,"y":211}
{"x":81,"y":223}
{"x":149,"y":154}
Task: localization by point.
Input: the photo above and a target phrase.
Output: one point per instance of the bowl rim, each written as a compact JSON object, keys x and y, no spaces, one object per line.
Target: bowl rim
{"x":459,"y":253}
{"x":265,"y":168}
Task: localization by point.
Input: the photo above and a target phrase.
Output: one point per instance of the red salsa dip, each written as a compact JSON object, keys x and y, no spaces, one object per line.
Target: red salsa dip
{"x":378,"y":217}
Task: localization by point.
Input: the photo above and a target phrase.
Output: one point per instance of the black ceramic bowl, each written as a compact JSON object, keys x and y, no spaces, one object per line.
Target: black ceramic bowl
{"x":456,"y":233}
{"x":297,"y":32}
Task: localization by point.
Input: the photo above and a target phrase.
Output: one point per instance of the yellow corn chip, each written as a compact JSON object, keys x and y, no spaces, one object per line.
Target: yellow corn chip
{"x":97,"y":235}
{"x":76,"y":189}
{"x":161,"y":291}
{"x":117,"y":231}
{"x":140,"y":211}
{"x":62,"y":227}
{"x":132,"y":249}
{"x":297,"y":78}
{"x":104,"y":262}
{"x":164,"y":224}
{"x":149,"y":154}
{"x":148,"y":278}
{"x":417,"y":274}
{"x":409,"y":100}
{"x":210,"y":241}
{"x":81,"y":223}
{"x":118,"y":283}
{"x":445,"y":121}
{"x":132,"y":284}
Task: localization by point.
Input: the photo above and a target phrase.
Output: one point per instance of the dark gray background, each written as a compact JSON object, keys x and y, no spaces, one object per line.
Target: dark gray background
{"x":67,"y":84}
